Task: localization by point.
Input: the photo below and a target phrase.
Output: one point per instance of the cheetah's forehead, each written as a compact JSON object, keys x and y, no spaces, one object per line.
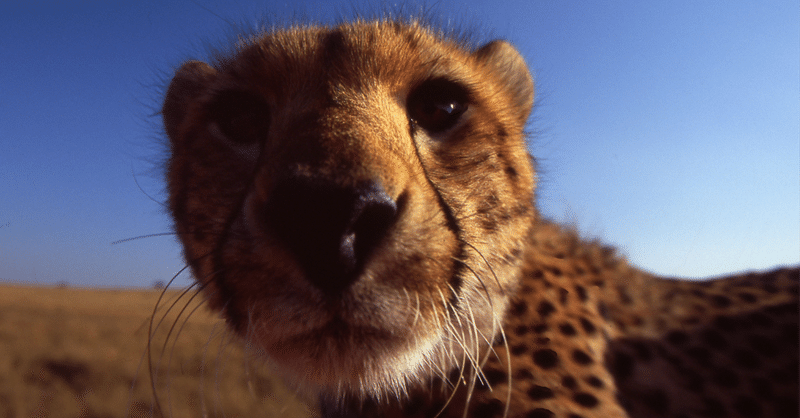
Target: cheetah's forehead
{"x":308,"y":59}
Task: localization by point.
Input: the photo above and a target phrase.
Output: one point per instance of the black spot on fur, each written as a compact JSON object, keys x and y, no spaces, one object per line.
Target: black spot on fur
{"x":580,"y":357}
{"x":494,"y":376}
{"x":748,"y":297}
{"x":545,"y":309}
{"x":511,"y":172}
{"x":521,"y":330}
{"x":567,"y":329}
{"x":562,"y":296}
{"x":540,"y":413}
{"x":595,"y":381}
{"x":769,"y":288}
{"x":588,"y":326}
{"x":721,"y":301}
{"x":569,"y":382}
{"x":540,"y":329}
{"x":523,"y":374}
{"x":624,"y":296}
{"x":581,"y":292}
{"x":586,"y":400}
{"x":518,"y":308}
{"x":538,"y":393}
{"x":545,"y":358}
{"x":503,"y":134}
{"x":488,"y":224}
{"x":691,"y":320}
{"x":519,"y":349}
{"x":491,"y":409}
{"x":602,"y":309}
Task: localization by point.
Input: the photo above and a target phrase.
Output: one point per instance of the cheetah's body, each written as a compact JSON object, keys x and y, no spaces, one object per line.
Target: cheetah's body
{"x":358,"y":202}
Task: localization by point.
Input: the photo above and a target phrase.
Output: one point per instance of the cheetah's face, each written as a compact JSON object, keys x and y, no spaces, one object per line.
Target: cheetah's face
{"x":354,"y":200}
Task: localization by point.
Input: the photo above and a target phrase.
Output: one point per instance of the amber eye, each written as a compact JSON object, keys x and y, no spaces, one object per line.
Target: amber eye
{"x":436,"y":105}
{"x":242,"y":117}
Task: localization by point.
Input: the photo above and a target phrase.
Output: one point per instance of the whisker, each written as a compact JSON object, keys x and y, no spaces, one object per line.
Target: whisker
{"x":416,"y":311}
{"x":179,"y":318}
{"x":150,"y":334}
{"x":136,"y":180}
{"x":478,"y":278}
{"x":508,"y":370}
{"x":489,"y":266}
{"x":159,"y":234}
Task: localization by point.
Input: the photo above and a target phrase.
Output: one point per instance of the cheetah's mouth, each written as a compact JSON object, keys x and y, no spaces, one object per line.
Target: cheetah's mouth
{"x":341,"y":353}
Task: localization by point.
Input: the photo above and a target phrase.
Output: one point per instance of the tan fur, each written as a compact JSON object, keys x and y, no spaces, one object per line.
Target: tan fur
{"x":465,"y":302}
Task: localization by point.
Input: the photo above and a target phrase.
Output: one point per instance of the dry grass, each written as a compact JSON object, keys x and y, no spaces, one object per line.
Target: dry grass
{"x":83,"y":353}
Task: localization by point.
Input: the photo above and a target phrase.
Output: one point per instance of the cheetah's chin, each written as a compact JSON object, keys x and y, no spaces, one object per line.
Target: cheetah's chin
{"x":340,"y":359}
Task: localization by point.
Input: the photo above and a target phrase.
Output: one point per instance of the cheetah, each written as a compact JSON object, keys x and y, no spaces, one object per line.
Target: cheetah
{"x":358,"y":202}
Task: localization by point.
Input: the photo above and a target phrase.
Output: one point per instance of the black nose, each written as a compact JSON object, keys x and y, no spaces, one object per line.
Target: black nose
{"x":331,"y":230}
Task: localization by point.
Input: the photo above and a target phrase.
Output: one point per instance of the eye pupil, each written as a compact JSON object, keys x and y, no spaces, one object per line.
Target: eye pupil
{"x":437,"y":105}
{"x":439,"y":111}
{"x":448,"y":109}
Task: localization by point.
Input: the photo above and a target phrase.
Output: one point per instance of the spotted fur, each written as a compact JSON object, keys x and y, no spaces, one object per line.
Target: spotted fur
{"x":358,"y":202}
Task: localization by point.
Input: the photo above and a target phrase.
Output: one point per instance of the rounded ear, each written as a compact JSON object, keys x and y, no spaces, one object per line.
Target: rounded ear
{"x":509,"y":67}
{"x":189,"y":82}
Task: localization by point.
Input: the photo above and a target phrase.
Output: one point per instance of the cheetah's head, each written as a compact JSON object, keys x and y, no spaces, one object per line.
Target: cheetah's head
{"x":354,"y":200}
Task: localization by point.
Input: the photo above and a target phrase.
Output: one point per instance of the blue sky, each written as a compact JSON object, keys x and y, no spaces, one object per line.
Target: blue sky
{"x":669,"y":129}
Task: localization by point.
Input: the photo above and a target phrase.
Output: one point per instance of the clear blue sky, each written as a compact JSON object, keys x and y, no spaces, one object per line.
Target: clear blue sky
{"x":671,"y":129}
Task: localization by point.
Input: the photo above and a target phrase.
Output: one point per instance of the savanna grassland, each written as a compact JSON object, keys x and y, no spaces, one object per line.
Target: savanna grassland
{"x":68,"y":352}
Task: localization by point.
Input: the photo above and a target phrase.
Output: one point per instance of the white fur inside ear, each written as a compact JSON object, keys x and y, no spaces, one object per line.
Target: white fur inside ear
{"x":509,"y":67}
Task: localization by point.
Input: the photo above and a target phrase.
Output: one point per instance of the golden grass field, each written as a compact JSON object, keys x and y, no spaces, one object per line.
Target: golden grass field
{"x":67,"y":352}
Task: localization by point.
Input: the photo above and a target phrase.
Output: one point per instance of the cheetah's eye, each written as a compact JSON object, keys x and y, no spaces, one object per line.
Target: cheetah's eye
{"x":436,"y":105}
{"x":242,"y":117}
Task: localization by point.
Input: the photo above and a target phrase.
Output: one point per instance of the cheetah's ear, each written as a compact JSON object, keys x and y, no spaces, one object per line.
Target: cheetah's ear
{"x":190,"y":81}
{"x":509,"y":67}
